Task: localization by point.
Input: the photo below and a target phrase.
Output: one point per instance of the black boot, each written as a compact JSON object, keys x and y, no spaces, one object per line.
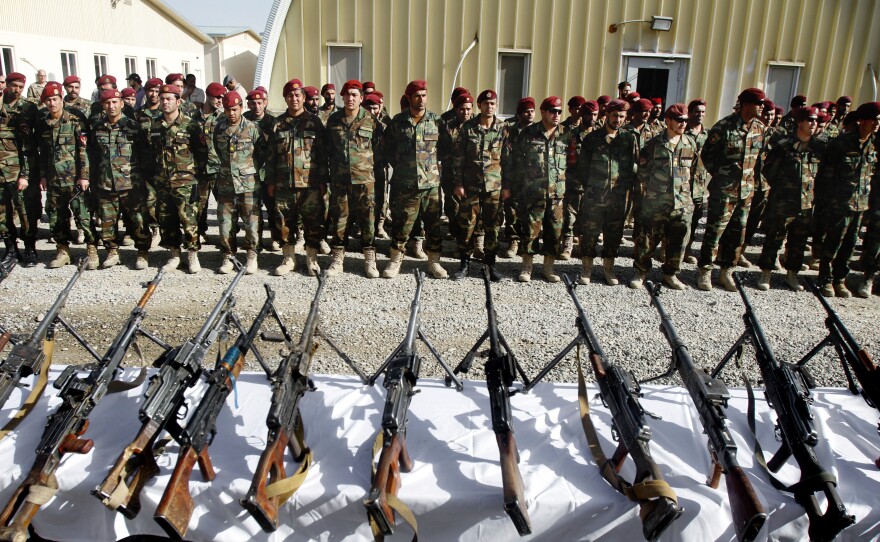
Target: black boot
{"x":11,"y":248}
{"x":489,"y":262}
{"x":462,"y":272}
{"x":30,"y":254}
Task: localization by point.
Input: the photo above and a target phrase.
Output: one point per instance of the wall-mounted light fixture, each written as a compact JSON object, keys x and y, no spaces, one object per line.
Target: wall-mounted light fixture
{"x":658,"y":23}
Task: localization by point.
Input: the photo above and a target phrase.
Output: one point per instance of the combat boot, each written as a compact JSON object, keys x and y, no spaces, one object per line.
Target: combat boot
{"x":489,"y":262}
{"x":512,"y":249}
{"x":173,"y":261}
{"x":91,"y":257}
{"x":300,"y":244}
{"x":608,"y":271}
{"x":764,"y":281}
{"x":288,"y":261}
{"x":380,"y":229}
{"x":337,"y":257}
{"x":840,"y":290}
{"x":547,"y":271}
{"x":827,"y":290}
{"x":192,"y":262}
{"x":567,"y":247}
{"x":791,"y":280}
{"x":323,"y":247}
{"x":704,"y":279}
{"x":638,"y":281}
{"x":250,"y":267}
{"x":62,"y":257}
{"x":725,"y":278}
{"x":393,"y":267}
{"x":434,"y":266}
{"x":744,"y":262}
{"x":525,"y":272}
{"x":370,"y":263}
{"x":586,"y":270}
{"x":462,"y":272}
{"x":11,"y":248}
{"x":415,"y":249}
{"x":140,"y":261}
{"x":227,"y":266}
{"x":312,"y":266}
{"x":479,"y":245}
{"x":111,"y":259}
{"x":672,"y":282}
{"x":864,"y":289}
{"x":30,"y":254}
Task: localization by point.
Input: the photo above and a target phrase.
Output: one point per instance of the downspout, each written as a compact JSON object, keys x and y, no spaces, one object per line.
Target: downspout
{"x":873,"y":82}
{"x":458,"y":68}
{"x":269,"y":43}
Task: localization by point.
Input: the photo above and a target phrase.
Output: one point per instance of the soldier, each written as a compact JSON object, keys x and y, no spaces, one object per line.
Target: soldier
{"x":606,"y":168}
{"x":574,"y":106}
{"x":328,"y":92}
{"x":180,"y":152}
{"x":788,"y":123}
{"x":835,"y":127}
{"x":35,"y":91}
{"x":207,"y":116}
{"x":790,"y":169}
{"x":186,"y":107}
{"x":313,"y":98}
{"x":373,"y":103}
{"x":239,"y":145}
{"x":104,"y":82}
{"x":536,"y":179}
{"x":624,"y":89}
{"x":667,"y":163}
{"x":353,"y":135}
{"x":128,"y":97}
{"x":409,"y":145}
{"x":450,"y":115}
{"x":700,"y":179}
{"x":119,"y":148}
{"x":145,"y":116}
{"x":449,"y":135}
{"x":257,"y":100}
{"x":842,"y":189}
{"x":574,"y":190}
{"x":476,"y":171}
{"x":71,"y":95}
{"x":603,"y":103}
{"x":870,"y":259}
{"x":525,"y":115}
{"x":298,"y":178}
{"x":730,"y":155}
{"x":2,"y":82}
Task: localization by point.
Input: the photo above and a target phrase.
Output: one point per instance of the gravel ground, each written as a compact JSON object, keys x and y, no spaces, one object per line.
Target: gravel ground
{"x":367,"y":318}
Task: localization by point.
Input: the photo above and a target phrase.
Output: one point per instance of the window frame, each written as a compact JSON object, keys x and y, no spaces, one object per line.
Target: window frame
{"x":151,"y":67}
{"x":360,"y":61}
{"x":130,"y":65}
{"x":7,"y":52}
{"x":66,"y":56}
{"x":102,"y":64}
{"x":526,"y":55}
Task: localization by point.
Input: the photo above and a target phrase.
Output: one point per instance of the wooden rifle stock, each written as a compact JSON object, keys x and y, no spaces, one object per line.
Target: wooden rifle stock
{"x":176,"y":506}
{"x":748,"y":514}
{"x":27,"y":500}
{"x":135,"y":466}
{"x":393,"y":460}
{"x":511,"y":479}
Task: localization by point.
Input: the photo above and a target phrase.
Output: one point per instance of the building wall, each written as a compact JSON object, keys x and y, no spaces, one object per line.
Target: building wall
{"x":236,"y":54}
{"x":726,"y":45}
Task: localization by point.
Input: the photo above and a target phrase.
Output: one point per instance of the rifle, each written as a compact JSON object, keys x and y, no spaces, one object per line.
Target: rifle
{"x":710,"y":396}
{"x":79,"y":397}
{"x":788,"y":394}
{"x":401,"y":371}
{"x":176,"y":506}
{"x":501,"y":371}
{"x":620,"y":393}
{"x":179,"y":369}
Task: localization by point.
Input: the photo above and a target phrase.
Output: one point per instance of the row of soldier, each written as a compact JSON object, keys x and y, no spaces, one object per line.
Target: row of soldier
{"x":557,"y":181}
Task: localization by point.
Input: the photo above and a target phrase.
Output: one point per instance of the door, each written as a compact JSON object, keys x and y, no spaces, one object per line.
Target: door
{"x":658,"y":77}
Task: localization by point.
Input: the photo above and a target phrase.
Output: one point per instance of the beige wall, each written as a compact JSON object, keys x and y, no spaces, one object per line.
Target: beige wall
{"x":235,"y":54}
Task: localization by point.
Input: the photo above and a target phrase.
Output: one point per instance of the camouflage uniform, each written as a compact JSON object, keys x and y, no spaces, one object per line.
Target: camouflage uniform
{"x":450,"y":131}
{"x":325,"y":111}
{"x":266,"y":124}
{"x":643,"y":133}
{"x":207,"y":181}
{"x":574,"y":190}
{"x":80,"y":104}
{"x":870,"y":260}
{"x":759,"y":199}
{"x":665,"y":173}
{"x":730,"y":155}
{"x":512,"y":226}
{"x":18,"y":159}
{"x":145,"y":118}
{"x":699,"y":183}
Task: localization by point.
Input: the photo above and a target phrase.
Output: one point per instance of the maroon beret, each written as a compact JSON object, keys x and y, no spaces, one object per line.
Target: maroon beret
{"x":261,"y":87}
{"x":657,"y":101}
{"x":524,"y":104}
{"x":551,"y":102}
{"x":109,"y":94}
{"x":293,"y":84}
{"x":696,"y":103}
{"x":825,"y":105}
{"x":617,"y":105}
{"x":154,"y":82}
{"x":215,"y":90}
{"x":371,"y":99}
{"x":779,"y":111}
{"x":642,"y":106}
{"x":52,"y":88}
{"x":378,"y":95}
{"x":325,"y":88}
{"x":589,"y":106}
{"x":633,"y":96}
{"x":172,"y":77}
{"x":768,"y":105}
{"x":256,"y":94}
{"x":310,"y":92}
{"x":844,"y":100}
{"x":71,"y":79}
{"x":677,"y":112}
{"x":576,"y":101}
{"x":805,"y":113}
{"x":170,"y":89}
{"x":752,"y":96}
{"x":415,"y":86}
{"x":826,"y":118}
{"x":458,"y":91}
{"x":128,"y":92}
{"x":463,"y":99}
{"x":15,"y":76}
{"x":603,"y":99}
{"x":487,"y":94}
{"x":231,"y":99}
{"x":798,"y":101}
{"x":868,"y":111}
{"x":352,"y":84}
{"x":103,"y":80}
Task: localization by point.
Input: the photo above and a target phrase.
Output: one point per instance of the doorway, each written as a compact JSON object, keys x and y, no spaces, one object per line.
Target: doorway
{"x":657,"y":77}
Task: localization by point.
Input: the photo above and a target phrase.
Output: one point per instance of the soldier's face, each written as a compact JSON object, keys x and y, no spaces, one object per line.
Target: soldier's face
{"x":257,"y":107}
{"x":624,"y":92}
{"x":295,"y":101}
{"x":179,"y":85}
{"x":807,"y":128}
{"x":169,"y":103}
{"x":352,"y":100}
{"x":152,"y":96}
{"x":643,"y":116}
{"x":329,"y":96}
{"x":233,"y":114}
{"x":868,"y":126}
{"x":464,"y":112}
{"x":488,"y":107}
{"x":113,"y":108}
{"x":216,"y":102}
{"x":418,"y":101}
{"x":697,"y":114}
{"x":768,"y":116}
{"x":675,"y":126}
{"x":374,"y":109}
{"x":589,"y":117}
{"x":843,"y":109}
{"x":528,"y":115}
{"x":313,"y":103}
{"x":751,"y":111}
{"x":53,"y":104}
{"x":657,"y":110}
{"x":2,"y":83}
{"x":72,"y":90}
{"x":616,"y":119}
{"x":14,"y":89}
{"x":552,"y":116}
{"x":130,"y":100}
{"x":41,"y":76}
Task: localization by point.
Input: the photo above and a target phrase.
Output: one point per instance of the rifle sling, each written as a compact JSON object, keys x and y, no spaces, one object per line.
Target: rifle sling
{"x":117,"y":386}
{"x":40,"y":494}
{"x":392,"y":500}
{"x":284,"y":489}
{"x":37,"y":391}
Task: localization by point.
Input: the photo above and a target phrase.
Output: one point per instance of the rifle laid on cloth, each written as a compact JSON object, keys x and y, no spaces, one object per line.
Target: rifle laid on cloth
{"x":271,"y":487}
{"x":179,"y":369}
{"x":620,"y":393}
{"x":401,"y":371}
{"x":79,"y":397}
{"x":501,"y":371}
{"x":176,"y":506}
{"x":788,"y":394}
{"x":710,"y":396}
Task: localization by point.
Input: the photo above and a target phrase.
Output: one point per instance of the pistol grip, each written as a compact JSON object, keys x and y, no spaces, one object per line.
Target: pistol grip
{"x":205,"y":466}
{"x":72,"y":445}
{"x":715,"y":476}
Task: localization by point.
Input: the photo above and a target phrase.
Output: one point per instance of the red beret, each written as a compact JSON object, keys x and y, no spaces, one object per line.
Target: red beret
{"x":294,"y":84}
{"x":458,"y":91}
{"x":369,"y":84}
{"x":325,"y":88}
{"x":231,"y":99}
{"x":103,"y":80}
{"x":844,"y":100}
{"x":52,"y":88}
{"x":371,"y":99}
{"x":677,"y":112}
{"x":752,"y":96}
{"x":603,"y":99}
{"x":109,"y":94}
{"x":415,"y":86}
{"x":642,"y":105}
{"x":352,"y":84}
{"x":463,"y":99}
{"x":576,"y":101}
{"x":154,"y":82}
{"x":798,"y":101}
{"x":215,"y":90}
{"x":525,"y":103}
{"x":378,"y":95}
{"x":779,"y":111}
{"x":71,"y":79}
{"x":633,"y":96}
{"x":172,"y":77}
{"x":551,"y":102}
{"x":128,"y":92}
{"x":695,"y":103}
{"x":768,"y":104}
{"x":868,"y":111}
{"x":15,"y":76}
{"x":487,"y":94}
{"x":261,"y":87}
{"x":256,"y":94}
{"x":310,"y":92}
{"x":170,"y":89}
{"x":617,"y":105}
{"x":589,"y":106}
{"x":806,"y":113}
{"x":657,"y":101}
{"x":825,"y":105}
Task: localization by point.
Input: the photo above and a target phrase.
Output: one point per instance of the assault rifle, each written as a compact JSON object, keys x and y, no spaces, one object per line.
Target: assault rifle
{"x":176,"y":506}
{"x":501,"y":371}
{"x":789,"y":395}
{"x":79,"y":397}
{"x":401,"y":371}
{"x":179,"y":369}
{"x":620,"y":393}
{"x":710,"y":396}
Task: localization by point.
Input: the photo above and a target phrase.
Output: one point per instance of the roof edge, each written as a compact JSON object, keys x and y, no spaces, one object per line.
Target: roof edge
{"x":269,"y":45}
{"x":179,"y":19}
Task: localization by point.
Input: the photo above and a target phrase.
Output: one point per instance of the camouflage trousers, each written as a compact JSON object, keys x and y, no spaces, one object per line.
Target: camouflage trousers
{"x":699,"y":208}
{"x":511,"y":220}
{"x":606,"y":218}
{"x":725,"y":230}
{"x":381,"y":207}
{"x":794,"y":229}
{"x":673,"y":229}
{"x":357,"y":201}
{"x":295,"y":206}
{"x":756,"y":214}
{"x":64,"y":202}
{"x":572,"y":203}
{"x":152,"y":216}
{"x":409,"y":206}
{"x":451,"y":206}
{"x":207,"y":186}
{"x":133,"y":202}
{"x":545,"y":214}
{"x":231,"y":207}
{"x":870,"y":259}
{"x":838,"y":244}
{"x":271,"y":209}
{"x":485,"y":206}
{"x":177,"y":208}
{"x":12,"y":205}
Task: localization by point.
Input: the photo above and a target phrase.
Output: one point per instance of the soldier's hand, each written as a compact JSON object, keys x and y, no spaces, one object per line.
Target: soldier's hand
{"x":43,"y":184}
{"x":459,"y":192}
{"x":22,"y":183}
{"x":505,"y":193}
{"x":83,"y":184}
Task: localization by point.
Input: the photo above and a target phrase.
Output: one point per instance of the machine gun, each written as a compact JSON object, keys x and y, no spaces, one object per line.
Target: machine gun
{"x":501,"y":371}
{"x":710,"y":396}
{"x":79,"y":397}
{"x":620,"y":393}
{"x":401,"y":371}
{"x":789,"y":395}
{"x":179,"y":369}
{"x":176,"y":506}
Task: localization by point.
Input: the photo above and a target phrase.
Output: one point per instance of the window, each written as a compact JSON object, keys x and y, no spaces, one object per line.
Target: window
{"x":131,"y":65}
{"x":344,"y":64}
{"x":151,"y":68}
{"x":100,"y":65}
{"x":68,"y":63}
{"x":782,"y":83}
{"x":513,"y":81}
{"x":6,"y":56}
{"x":184,"y":68}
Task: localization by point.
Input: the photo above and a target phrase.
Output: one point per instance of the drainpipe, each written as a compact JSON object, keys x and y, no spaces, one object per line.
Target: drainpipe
{"x":458,"y":68}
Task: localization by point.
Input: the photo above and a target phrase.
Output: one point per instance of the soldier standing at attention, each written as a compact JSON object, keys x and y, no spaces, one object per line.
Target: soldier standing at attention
{"x":835,"y":127}
{"x":463,"y":107}
{"x":759,"y":199}
{"x":298,"y":178}
{"x":120,"y":148}
{"x":257,"y":100}
{"x":35,"y":91}
{"x":313,"y":98}
{"x":180,"y":151}
{"x":328,"y":92}
{"x":373,"y":103}
{"x":788,"y":123}
{"x":536,"y":179}
{"x":574,"y":190}
{"x":574,"y":106}
{"x":410,"y":147}
{"x":128,"y":97}
{"x":207,"y":116}
{"x":667,"y":163}
{"x":730,"y":154}
{"x":150,"y":111}
{"x":525,"y":115}
{"x":72,"y":97}
{"x":186,"y":107}
{"x":700,"y":180}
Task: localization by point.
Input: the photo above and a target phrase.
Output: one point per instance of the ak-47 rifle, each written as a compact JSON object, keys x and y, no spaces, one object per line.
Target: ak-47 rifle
{"x":788,"y":394}
{"x":79,"y":397}
{"x":710,"y":396}
{"x":620,"y":392}
{"x":6,"y":266}
{"x":179,"y":369}
{"x":176,"y":506}
{"x":501,"y":371}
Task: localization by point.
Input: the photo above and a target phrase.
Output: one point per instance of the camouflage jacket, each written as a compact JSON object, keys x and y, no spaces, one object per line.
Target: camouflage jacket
{"x":351,"y":148}
{"x":119,"y":154}
{"x":643,"y":133}
{"x":208,"y":122}
{"x":606,"y":166}
{"x":62,"y":147}
{"x":579,"y":134}
{"x":537,"y":164}
{"x":843,"y":182}
{"x":81,"y":104}
{"x":411,"y":149}
{"x":731,"y":153}
{"x":145,"y":117}
{"x":266,"y":124}
{"x":515,"y":128}
{"x":790,"y":169}
{"x":300,"y":152}
{"x":238,"y":148}
{"x":179,"y":149}
{"x":787,"y":123}
{"x":770,"y":132}
{"x":700,"y":180}
{"x":324,"y":113}
{"x":480,"y":155}
{"x":450,"y":131}
{"x":18,"y":156}
{"x":665,"y":173}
